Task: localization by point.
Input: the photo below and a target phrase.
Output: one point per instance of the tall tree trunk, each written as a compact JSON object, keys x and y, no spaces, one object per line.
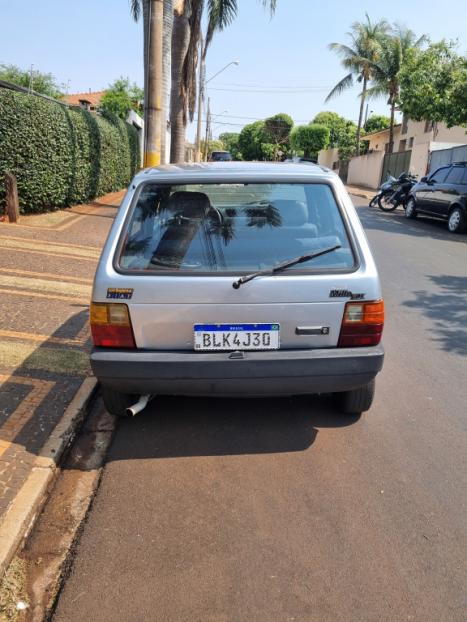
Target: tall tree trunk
{"x":202,"y":79}
{"x":180,"y":41}
{"x":391,"y":126}
{"x":360,"y":116}
{"x":166,"y":65}
{"x":146,"y":65}
{"x":152,"y":155}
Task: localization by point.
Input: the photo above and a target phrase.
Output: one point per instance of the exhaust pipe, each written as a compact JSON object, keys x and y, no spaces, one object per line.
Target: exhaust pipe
{"x":139,"y":406}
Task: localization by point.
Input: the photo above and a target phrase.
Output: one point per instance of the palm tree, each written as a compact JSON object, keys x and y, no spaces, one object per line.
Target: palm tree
{"x":386,"y":69}
{"x":138,"y":7}
{"x":359,"y":58}
{"x":185,"y":46}
{"x":185,"y":36}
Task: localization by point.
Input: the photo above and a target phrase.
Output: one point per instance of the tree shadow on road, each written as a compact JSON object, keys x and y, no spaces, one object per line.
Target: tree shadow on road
{"x":173,"y":427}
{"x":395,"y":222}
{"x":448,"y":310}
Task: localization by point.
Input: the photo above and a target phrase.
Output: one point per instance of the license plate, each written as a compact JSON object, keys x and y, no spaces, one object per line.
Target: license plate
{"x":236,"y":336}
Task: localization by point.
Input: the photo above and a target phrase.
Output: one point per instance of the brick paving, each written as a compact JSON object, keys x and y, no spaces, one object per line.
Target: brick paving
{"x":47,"y":264}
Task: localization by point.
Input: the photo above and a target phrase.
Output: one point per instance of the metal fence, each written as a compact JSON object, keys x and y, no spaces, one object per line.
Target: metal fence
{"x":395,"y":163}
{"x":446,"y":156}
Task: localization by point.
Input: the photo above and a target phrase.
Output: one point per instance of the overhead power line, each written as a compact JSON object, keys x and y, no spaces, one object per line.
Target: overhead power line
{"x":320,"y":89}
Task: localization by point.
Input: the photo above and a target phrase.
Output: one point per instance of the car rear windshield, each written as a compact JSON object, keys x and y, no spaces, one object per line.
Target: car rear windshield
{"x":232,"y":228}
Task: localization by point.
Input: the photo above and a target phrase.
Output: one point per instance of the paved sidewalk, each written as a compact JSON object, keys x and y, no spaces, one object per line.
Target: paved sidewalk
{"x":358,"y":191}
{"x":47,"y":264}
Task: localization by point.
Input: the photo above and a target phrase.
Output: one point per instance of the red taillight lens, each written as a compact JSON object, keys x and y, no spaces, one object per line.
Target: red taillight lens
{"x":111,"y":325}
{"x":362,"y":324}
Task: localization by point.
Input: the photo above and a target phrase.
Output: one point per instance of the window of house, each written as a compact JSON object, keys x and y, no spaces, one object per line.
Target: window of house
{"x":455,"y":175}
{"x":402,"y":145}
{"x":411,"y":142}
{"x":405,"y":122}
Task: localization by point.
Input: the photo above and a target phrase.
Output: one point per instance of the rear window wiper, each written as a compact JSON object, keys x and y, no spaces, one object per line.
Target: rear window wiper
{"x":284,"y":265}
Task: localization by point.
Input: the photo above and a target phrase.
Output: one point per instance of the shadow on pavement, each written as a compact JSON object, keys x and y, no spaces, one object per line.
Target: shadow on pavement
{"x":395,"y":222}
{"x":173,"y":427}
{"x":448,"y":310}
{"x":34,"y":394}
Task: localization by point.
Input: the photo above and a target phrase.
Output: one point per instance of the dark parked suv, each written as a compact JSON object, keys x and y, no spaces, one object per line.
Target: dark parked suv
{"x":443,"y":194}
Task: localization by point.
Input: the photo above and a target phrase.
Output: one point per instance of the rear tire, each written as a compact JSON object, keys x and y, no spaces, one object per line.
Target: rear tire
{"x":358,"y":400}
{"x":117,"y":403}
{"x":385,"y":205}
{"x":456,"y":221}
{"x":411,"y":209}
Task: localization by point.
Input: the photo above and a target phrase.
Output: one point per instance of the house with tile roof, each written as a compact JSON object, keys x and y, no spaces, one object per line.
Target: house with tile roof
{"x":88,"y":101}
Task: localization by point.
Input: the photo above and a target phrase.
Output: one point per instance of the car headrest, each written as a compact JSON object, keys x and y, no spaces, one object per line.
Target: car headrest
{"x":293,"y":213}
{"x":189,"y":204}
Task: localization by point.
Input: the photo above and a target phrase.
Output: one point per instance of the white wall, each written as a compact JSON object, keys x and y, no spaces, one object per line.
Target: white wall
{"x":366,"y":170}
{"x":327,"y":157}
{"x":419,"y":159}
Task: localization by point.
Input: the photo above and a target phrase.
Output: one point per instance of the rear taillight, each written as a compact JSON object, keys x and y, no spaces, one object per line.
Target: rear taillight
{"x":111,"y":325}
{"x":362,"y":324}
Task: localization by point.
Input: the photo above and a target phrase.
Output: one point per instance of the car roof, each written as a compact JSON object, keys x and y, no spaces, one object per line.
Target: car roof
{"x":235,"y":170}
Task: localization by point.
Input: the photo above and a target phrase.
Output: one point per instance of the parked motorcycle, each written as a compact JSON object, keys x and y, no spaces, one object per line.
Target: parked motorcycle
{"x":398,"y":193}
{"x":385,"y":188}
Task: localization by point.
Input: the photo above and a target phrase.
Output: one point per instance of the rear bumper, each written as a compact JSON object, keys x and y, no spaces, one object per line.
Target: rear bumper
{"x":278,"y":372}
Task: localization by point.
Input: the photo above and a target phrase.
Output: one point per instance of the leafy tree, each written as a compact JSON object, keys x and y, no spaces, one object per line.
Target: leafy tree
{"x":230,"y":141}
{"x":433,"y":84}
{"x":395,"y":49}
{"x":44,"y":83}
{"x":121,"y":97}
{"x":310,"y":139}
{"x":359,"y":58}
{"x":213,"y":145}
{"x":278,"y":128}
{"x":342,"y":133}
{"x":251,"y":140}
{"x":335,"y":123}
{"x":377,"y":122}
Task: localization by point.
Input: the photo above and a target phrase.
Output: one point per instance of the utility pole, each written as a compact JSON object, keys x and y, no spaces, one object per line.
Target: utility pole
{"x":208,"y":130}
{"x":202,"y":77}
{"x":153,"y":111}
{"x":31,"y":78}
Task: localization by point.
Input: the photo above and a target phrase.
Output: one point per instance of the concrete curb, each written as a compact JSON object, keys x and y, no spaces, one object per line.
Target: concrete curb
{"x":30,"y":499}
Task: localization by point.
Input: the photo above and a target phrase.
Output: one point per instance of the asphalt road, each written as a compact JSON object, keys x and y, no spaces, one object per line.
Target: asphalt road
{"x":278,"y":510}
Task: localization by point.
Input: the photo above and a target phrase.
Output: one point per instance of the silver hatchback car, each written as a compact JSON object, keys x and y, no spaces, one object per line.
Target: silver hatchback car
{"x":238,"y":279}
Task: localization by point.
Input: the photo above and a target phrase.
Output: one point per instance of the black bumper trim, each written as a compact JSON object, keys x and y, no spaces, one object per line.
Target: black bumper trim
{"x":278,"y":372}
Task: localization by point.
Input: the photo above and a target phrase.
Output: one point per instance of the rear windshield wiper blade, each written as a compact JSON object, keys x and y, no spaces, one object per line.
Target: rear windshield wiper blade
{"x":284,"y":265}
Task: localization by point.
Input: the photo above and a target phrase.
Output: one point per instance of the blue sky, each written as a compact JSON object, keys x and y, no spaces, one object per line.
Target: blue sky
{"x":285,"y":65}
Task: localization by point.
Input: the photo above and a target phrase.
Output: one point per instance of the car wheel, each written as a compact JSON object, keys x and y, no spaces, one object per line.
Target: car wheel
{"x":456,"y":221}
{"x":410,"y":209}
{"x":358,"y":400}
{"x":117,"y":403}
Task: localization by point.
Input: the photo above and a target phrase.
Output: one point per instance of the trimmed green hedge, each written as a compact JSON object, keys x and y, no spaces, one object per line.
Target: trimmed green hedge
{"x":62,"y":156}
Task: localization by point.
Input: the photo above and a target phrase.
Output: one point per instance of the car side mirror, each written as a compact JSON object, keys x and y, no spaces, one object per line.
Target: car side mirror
{"x":424,"y":180}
